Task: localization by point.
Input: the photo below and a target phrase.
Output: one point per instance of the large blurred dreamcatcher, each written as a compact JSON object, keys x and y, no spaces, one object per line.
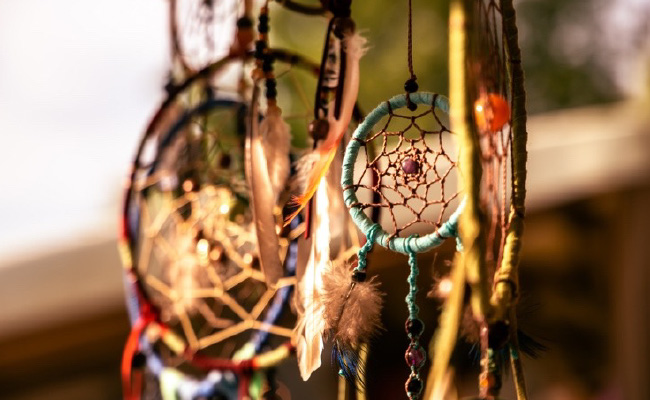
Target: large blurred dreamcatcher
{"x":238,"y":248}
{"x":210,"y":267}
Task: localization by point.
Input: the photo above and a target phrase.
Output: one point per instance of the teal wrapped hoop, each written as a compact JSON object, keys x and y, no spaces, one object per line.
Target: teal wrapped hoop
{"x":403,"y":245}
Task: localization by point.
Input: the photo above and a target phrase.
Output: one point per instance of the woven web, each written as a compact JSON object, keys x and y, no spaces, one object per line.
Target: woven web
{"x":414,"y":167}
{"x":490,"y":76}
{"x":197,"y":253}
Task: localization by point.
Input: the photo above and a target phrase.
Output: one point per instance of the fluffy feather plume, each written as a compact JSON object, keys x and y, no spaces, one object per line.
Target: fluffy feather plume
{"x":352,"y":313}
{"x":322,"y":157}
{"x":276,"y":141}
{"x":311,"y":324}
{"x":263,"y":194}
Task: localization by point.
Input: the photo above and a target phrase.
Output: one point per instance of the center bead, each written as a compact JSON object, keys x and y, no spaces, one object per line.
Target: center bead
{"x":410,"y":166}
{"x":415,"y":355}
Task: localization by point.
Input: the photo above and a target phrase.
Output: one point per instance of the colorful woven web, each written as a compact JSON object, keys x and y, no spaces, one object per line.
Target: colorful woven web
{"x":197,"y":254}
{"x":413,"y":162}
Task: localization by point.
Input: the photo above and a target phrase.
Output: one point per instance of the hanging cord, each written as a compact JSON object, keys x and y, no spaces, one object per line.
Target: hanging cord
{"x":411,"y":85}
{"x":371,"y":236}
{"x":263,"y":57}
{"x":415,"y":355}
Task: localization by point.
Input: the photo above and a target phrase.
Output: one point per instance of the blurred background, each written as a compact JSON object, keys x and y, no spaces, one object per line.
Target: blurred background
{"x":79,"y":80}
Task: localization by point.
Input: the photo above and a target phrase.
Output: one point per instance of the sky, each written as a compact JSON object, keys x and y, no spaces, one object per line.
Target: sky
{"x":78,"y":82}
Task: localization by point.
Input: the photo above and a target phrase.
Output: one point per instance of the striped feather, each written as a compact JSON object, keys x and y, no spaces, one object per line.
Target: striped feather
{"x":324,"y":154}
{"x":263,"y":195}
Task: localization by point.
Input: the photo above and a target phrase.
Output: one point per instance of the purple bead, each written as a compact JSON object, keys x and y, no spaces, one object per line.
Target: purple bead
{"x":415,"y":355}
{"x":410,"y":166}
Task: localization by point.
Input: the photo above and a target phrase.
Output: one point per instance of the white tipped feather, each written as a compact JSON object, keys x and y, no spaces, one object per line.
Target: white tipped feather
{"x":311,"y":324}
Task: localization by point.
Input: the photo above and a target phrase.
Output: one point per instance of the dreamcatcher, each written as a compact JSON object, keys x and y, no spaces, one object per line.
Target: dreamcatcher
{"x":486,"y":78}
{"x":216,"y":247}
{"x":414,"y":168}
{"x":203,"y":302}
{"x":195,"y":273}
{"x":409,"y":170}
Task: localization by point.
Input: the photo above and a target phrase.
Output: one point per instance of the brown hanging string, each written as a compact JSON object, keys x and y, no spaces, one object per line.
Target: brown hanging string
{"x":411,"y":85}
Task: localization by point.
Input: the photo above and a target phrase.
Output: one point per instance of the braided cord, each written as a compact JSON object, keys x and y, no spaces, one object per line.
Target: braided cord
{"x":363,"y":251}
{"x":412,"y":281}
{"x":410,"y":42}
{"x":415,"y":354}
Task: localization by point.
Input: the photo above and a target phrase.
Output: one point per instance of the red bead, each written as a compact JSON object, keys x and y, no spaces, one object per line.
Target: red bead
{"x":415,"y":355}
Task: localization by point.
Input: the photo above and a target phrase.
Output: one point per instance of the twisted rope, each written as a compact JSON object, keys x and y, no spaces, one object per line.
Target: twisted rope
{"x":415,"y":354}
{"x":412,"y":280}
{"x":363,"y":251}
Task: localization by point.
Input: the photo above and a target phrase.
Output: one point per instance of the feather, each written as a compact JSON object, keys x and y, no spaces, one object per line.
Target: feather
{"x":262,"y":195}
{"x":309,"y":339}
{"x":276,"y":141}
{"x":352,"y":310}
{"x":352,"y":315}
{"x":311,"y":324}
{"x":341,"y":225}
{"x":349,"y":361}
{"x":354,"y":48}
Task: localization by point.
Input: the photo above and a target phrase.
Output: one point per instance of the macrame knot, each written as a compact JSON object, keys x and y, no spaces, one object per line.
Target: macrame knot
{"x":411,"y":86}
{"x":412,"y":279}
{"x":371,"y":236}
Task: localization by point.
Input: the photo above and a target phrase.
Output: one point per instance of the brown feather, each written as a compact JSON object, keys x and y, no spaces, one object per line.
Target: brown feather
{"x":263,"y":200}
{"x":352,"y":319}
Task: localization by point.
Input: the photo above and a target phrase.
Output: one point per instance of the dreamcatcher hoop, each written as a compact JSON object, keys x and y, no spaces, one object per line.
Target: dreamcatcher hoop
{"x":364,"y":223}
{"x":148,"y":310}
